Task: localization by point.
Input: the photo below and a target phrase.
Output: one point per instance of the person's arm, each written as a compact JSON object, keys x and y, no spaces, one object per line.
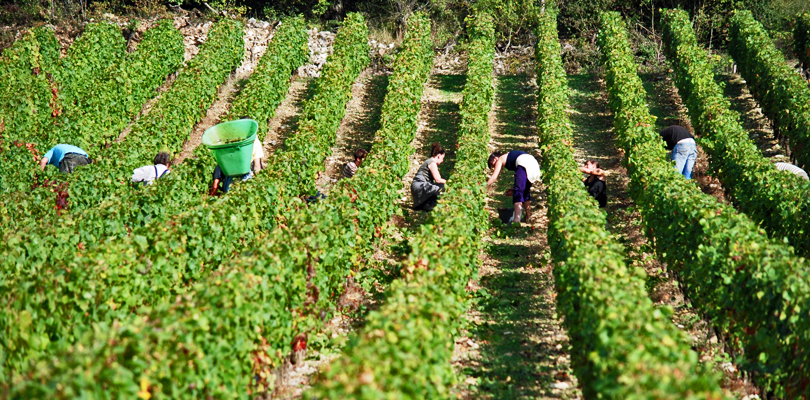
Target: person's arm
{"x":498,"y":166}
{"x":598,"y":172}
{"x":434,"y":170}
{"x":46,"y":159}
{"x":214,"y":188}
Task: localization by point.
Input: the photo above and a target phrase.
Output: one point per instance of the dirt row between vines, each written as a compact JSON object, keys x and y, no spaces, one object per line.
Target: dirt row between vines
{"x":515,"y":346}
{"x":438,"y":122}
{"x":359,"y":124}
{"x":255,"y":45}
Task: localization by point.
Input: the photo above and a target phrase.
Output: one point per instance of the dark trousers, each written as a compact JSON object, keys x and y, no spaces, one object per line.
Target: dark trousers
{"x":432,"y":201}
{"x":72,"y":160}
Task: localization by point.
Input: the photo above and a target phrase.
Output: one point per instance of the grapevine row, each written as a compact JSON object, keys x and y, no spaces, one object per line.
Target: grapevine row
{"x":168,"y":123}
{"x":782,"y":93}
{"x":57,"y":239}
{"x":404,"y":349}
{"x":116,"y":98}
{"x":246,"y":305}
{"x":28,"y":105}
{"x":622,"y":345}
{"x":775,"y":199}
{"x":156,"y":260}
{"x":801,"y":36}
{"x":91,"y":63}
{"x":753,"y":289}
{"x":100,"y":87}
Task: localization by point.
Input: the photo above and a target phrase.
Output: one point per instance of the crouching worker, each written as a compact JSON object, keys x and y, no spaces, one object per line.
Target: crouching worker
{"x":350,"y":168}
{"x":527,"y":172}
{"x":65,"y":157}
{"x":428,"y":183}
{"x":149,"y":173}
{"x":595,"y":182}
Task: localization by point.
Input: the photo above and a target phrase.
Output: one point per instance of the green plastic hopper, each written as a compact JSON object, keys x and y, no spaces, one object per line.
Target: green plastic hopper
{"x":231,"y":143}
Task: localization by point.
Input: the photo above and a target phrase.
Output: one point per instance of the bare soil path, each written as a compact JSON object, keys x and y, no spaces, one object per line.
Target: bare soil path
{"x":758,"y":126}
{"x":359,"y":125}
{"x":438,"y":123}
{"x":287,"y":116}
{"x":515,"y":347}
{"x":255,"y":40}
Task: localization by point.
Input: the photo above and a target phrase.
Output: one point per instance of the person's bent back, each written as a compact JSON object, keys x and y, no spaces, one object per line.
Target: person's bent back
{"x":683,"y":147}
{"x":149,"y":173}
{"x":65,"y":157}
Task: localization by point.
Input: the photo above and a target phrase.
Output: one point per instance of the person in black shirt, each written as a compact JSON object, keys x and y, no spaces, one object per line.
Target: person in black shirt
{"x":684,"y":148}
{"x":595,"y":182}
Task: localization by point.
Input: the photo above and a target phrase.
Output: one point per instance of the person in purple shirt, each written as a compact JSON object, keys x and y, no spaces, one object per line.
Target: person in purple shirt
{"x":65,"y":157}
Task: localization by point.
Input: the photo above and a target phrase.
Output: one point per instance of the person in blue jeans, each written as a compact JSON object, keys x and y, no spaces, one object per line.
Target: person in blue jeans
{"x":65,"y":157}
{"x":684,"y":148}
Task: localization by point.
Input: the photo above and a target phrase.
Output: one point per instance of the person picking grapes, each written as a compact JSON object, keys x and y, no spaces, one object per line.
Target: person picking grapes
{"x":150,"y":173}
{"x":683,"y":147}
{"x":66,"y":157}
{"x":527,"y":173}
{"x":595,"y":182}
{"x":350,"y":168}
{"x":428,"y":184}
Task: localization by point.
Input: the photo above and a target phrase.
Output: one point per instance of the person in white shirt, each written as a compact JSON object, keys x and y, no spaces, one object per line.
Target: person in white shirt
{"x":149,"y":173}
{"x":527,"y":173}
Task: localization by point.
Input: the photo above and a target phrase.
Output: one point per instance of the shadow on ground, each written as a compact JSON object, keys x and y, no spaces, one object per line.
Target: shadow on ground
{"x":515,"y":347}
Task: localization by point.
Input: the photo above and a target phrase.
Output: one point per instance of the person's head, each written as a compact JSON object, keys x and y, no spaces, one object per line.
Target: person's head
{"x":359,"y":155}
{"x":437,"y":152}
{"x":592,"y":164}
{"x":161,"y":158}
{"x":493,"y":158}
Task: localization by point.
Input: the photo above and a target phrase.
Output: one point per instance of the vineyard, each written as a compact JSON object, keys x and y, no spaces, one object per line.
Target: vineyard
{"x":300,"y":283}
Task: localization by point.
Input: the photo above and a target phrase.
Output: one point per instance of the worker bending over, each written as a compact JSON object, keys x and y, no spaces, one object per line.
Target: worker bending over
{"x":150,"y":173}
{"x":683,"y":147}
{"x":65,"y":157}
{"x":527,"y":172}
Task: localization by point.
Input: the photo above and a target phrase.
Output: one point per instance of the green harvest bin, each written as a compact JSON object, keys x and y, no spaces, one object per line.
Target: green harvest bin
{"x":232,"y":145}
